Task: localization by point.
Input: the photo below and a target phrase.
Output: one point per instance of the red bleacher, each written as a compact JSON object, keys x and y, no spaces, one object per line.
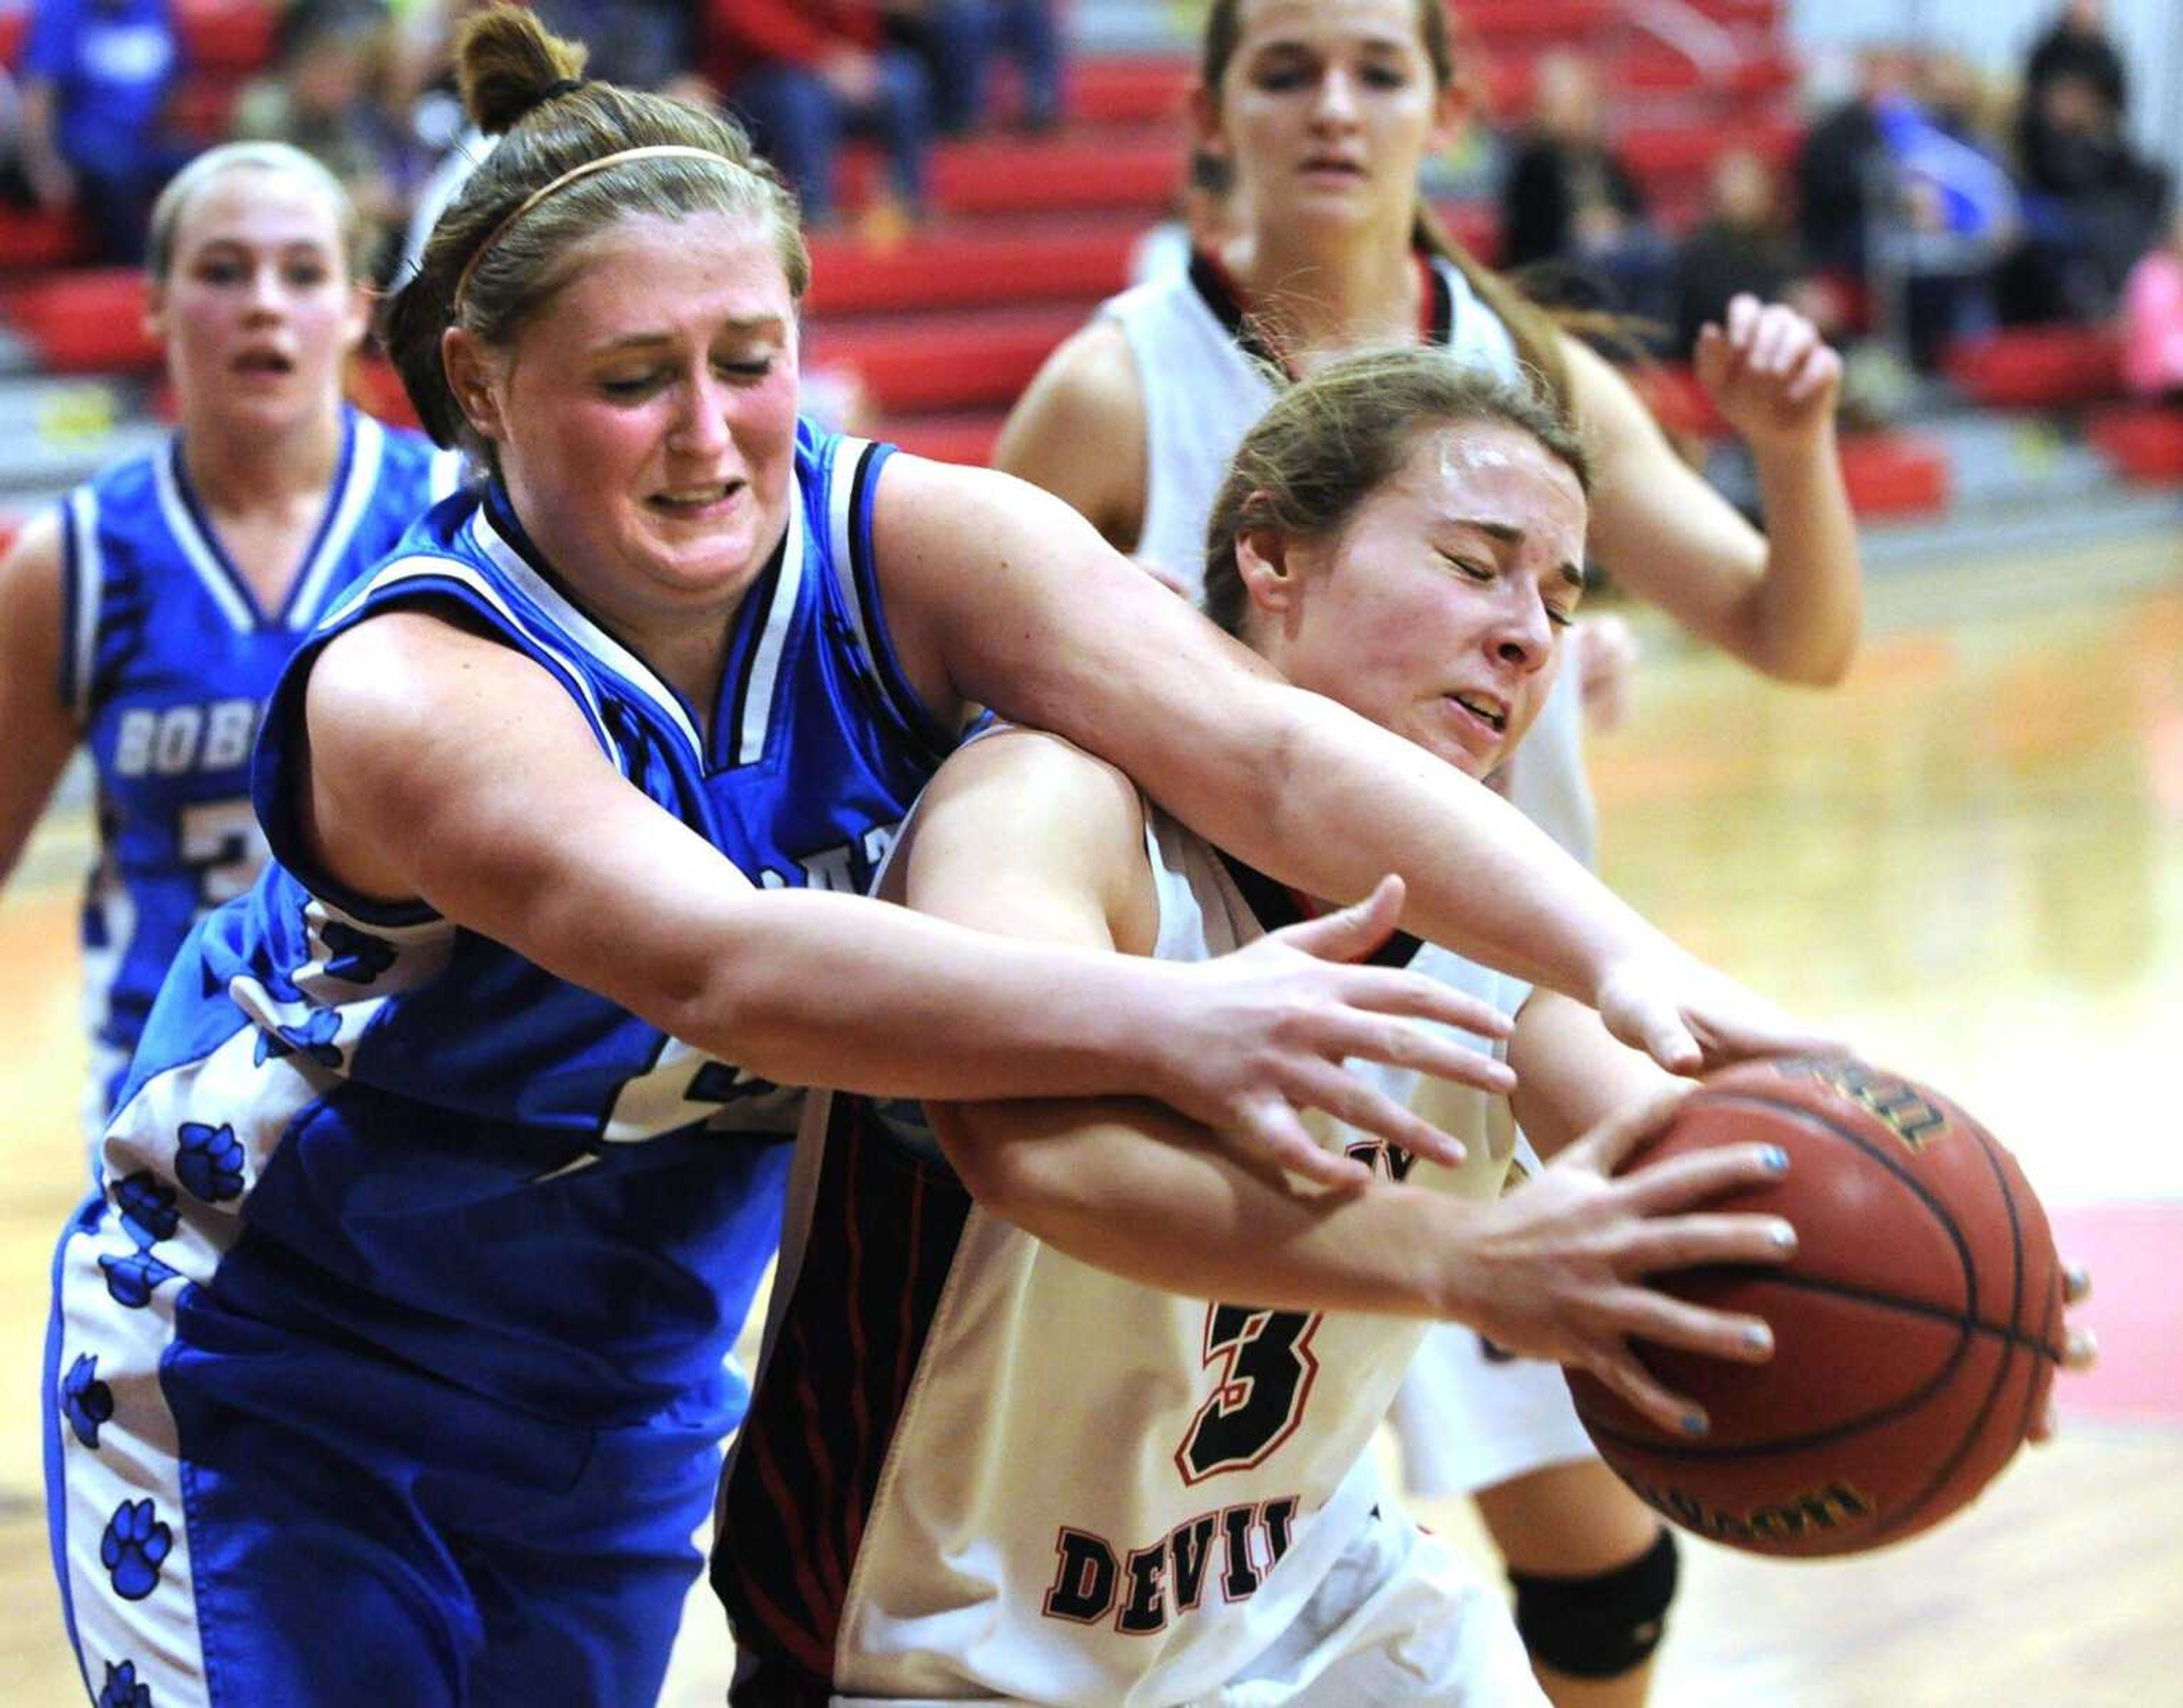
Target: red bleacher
{"x":1894,"y":475}
{"x":2038,"y":367}
{"x":2144,"y":441}
{"x":944,"y":327}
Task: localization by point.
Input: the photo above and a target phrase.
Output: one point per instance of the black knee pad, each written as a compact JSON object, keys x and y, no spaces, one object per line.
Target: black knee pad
{"x":1598,"y":1628}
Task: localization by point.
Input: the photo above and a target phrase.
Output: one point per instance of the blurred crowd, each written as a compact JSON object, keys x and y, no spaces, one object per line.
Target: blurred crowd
{"x":1925,"y":203}
{"x":365,"y":86}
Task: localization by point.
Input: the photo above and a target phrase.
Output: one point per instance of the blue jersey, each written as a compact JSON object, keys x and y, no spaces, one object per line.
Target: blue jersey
{"x":166,"y":662}
{"x":367,"y":1121}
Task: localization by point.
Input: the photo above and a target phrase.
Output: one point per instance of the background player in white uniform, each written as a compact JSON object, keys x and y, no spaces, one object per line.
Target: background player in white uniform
{"x":978,"y":1467}
{"x":443,"y":1173}
{"x":148,"y":617}
{"x":1324,"y":110}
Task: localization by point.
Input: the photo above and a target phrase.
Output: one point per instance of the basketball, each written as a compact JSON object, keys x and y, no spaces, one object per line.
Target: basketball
{"x":1916,"y":1331}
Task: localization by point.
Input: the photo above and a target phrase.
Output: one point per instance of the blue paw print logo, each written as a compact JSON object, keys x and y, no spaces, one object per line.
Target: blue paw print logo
{"x":208,"y":1161}
{"x":146,"y":1203}
{"x":122,"y":1690}
{"x":354,"y":957}
{"x":135,"y":1543}
{"x":313,"y":1040}
{"x":133,"y":1280}
{"x":87,"y":1401}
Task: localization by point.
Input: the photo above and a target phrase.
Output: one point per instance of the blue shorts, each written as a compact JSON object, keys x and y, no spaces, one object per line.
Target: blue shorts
{"x":243,"y":1516}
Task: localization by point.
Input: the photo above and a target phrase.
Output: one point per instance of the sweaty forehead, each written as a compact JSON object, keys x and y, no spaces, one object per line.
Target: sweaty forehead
{"x":1487,"y":471}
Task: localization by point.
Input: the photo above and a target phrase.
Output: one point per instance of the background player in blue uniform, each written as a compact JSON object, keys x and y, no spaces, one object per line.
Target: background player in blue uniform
{"x":440,"y":1180}
{"x":148,"y":617}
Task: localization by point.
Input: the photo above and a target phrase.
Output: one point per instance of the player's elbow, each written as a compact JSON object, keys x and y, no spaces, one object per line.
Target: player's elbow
{"x":1822,"y":663}
{"x":993,"y":1167}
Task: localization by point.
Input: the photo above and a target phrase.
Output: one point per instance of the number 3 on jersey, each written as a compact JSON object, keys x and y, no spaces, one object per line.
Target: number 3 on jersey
{"x":223,"y":842}
{"x":1265,"y":1370}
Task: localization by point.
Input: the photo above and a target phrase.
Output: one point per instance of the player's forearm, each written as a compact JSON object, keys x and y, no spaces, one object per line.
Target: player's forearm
{"x":804,"y":988}
{"x":1349,"y":801}
{"x":1133,"y":1189}
{"x":1807,"y":610}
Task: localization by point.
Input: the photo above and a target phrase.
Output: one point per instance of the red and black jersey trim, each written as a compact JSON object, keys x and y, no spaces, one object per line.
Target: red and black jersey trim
{"x":1217,"y":289}
{"x":807,"y":1465}
{"x":1275,"y":905}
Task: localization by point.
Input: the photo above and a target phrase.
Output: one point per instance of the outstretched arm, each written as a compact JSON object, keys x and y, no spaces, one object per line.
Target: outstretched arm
{"x":1789,"y":601}
{"x":1000,"y":595}
{"x":1029,"y":838}
{"x":535,"y":840}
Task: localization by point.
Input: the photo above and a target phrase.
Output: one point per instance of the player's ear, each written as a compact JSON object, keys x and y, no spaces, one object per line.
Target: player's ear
{"x":1452,"y":105}
{"x":1264,"y":561}
{"x":470,"y":376}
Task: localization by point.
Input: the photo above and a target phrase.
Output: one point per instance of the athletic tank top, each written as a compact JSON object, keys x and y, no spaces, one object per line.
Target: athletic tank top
{"x":167,"y":659}
{"x":360,"y":1120}
{"x":977,"y":1467}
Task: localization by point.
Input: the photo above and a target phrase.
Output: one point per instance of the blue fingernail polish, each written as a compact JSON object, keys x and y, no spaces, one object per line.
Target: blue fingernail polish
{"x":1758,"y":1337}
{"x":1694,"y":1423}
{"x":1777,"y":1159}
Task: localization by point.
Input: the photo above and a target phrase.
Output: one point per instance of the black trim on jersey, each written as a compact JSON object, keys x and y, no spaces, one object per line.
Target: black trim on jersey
{"x":71,"y":597}
{"x":1275,"y":905}
{"x":1440,"y":311}
{"x":1211,"y":282}
{"x":909,"y":707}
{"x":1217,"y":292}
{"x":839,"y":1366}
{"x":753,"y":622}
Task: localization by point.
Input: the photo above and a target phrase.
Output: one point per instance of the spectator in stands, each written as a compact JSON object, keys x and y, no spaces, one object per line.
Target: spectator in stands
{"x":2153,"y":320}
{"x":2093,"y":204}
{"x":802,"y":74}
{"x":1837,"y":165}
{"x":1569,"y":203}
{"x":96,"y":76}
{"x":959,"y":40}
{"x":644,"y":44}
{"x":324,"y":95}
{"x":2075,"y":47}
{"x":1902,"y":213}
{"x":1743,"y":248}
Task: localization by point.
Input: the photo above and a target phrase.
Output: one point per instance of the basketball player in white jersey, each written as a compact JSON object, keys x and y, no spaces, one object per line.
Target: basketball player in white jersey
{"x":979,"y":1468}
{"x":1324,"y":110}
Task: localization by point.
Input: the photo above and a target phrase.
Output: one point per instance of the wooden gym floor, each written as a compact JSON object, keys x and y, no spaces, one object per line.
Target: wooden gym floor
{"x":1970,"y":860}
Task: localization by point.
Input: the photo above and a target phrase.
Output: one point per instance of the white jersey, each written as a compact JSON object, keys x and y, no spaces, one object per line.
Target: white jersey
{"x":1206,"y":381}
{"x":1466,"y":1420}
{"x":976,"y":1468}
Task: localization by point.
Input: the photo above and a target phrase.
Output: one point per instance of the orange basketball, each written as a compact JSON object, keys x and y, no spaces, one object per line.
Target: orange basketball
{"x":1916,"y":1331}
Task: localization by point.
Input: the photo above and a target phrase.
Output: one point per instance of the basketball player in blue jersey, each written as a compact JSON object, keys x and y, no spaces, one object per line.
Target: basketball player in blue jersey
{"x":147,"y":618}
{"x":450,"y":1158}
{"x":988,"y":1459}
{"x":1324,"y":111}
